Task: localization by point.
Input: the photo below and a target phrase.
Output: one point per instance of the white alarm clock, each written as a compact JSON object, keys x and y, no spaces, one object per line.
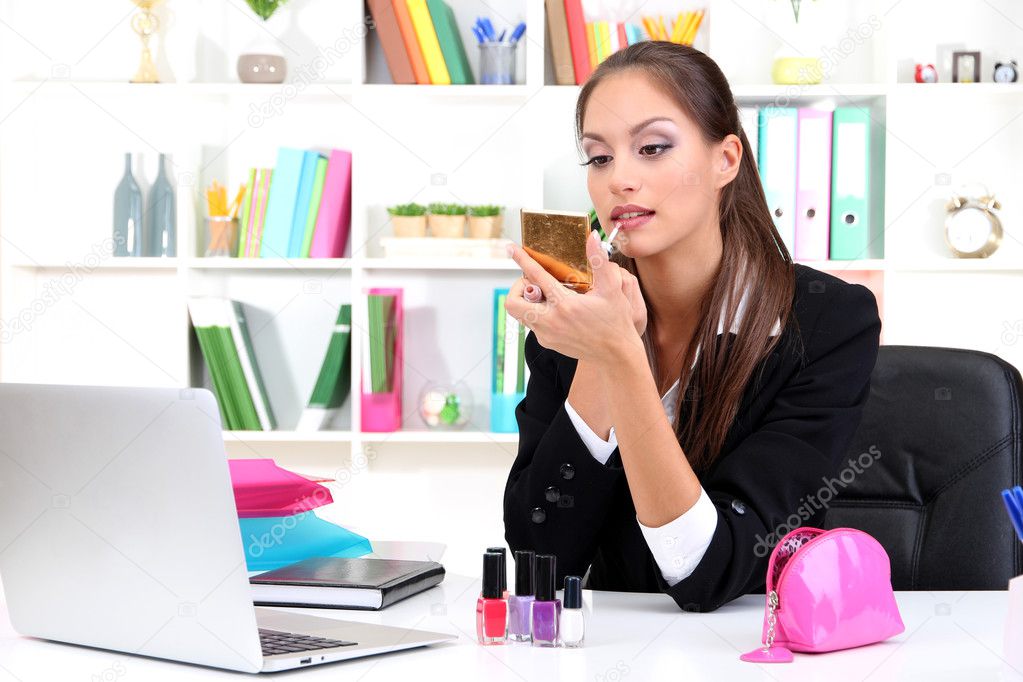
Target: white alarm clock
{"x":1006,"y":72}
{"x":972,"y":228}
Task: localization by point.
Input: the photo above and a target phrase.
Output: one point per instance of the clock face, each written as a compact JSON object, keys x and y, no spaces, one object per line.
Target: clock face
{"x":969,"y":229}
{"x":1005,"y":73}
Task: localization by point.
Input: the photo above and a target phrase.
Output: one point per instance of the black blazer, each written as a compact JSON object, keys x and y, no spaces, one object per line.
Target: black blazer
{"x":788,"y":441}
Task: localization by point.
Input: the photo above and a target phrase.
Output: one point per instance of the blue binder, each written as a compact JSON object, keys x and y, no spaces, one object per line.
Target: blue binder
{"x":776,"y":159}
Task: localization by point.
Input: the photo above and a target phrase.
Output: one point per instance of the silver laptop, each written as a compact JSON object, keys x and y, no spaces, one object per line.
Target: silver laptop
{"x":118,"y":530}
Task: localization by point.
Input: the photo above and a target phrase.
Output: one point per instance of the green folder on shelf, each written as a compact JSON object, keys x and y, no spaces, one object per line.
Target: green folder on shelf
{"x":382,"y":342}
{"x":226,"y":346}
{"x":334,"y":381}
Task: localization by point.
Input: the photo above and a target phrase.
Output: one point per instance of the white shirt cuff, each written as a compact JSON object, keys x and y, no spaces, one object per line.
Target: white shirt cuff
{"x":600,"y":449}
{"x":678,"y":546}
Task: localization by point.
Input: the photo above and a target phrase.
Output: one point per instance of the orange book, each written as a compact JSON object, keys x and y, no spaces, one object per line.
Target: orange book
{"x":408,"y":36}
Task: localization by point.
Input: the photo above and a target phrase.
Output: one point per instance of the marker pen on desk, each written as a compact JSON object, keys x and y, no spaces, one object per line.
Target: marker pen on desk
{"x":491,"y":608}
{"x":520,"y":604}
{"x":571,"y":625}
{"x":504,"y":569}
{"x":546,"y":606}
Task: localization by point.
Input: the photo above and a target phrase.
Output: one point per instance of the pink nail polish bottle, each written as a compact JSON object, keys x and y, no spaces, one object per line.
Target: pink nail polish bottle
{"x":492,"y":607}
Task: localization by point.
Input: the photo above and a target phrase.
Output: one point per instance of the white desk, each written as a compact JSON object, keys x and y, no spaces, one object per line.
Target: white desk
{"x":642,"y":637}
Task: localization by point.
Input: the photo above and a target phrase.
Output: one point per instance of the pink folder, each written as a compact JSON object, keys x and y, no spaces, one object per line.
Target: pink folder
{"x":813,"y":185}
{"x":261,"y":488}
{"x":334,"y":220}
{"x":381,"y":412}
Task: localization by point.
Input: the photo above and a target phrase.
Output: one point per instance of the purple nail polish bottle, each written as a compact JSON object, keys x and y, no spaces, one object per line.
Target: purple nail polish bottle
{"x":546,"y":606}
{"x":520,"y":604}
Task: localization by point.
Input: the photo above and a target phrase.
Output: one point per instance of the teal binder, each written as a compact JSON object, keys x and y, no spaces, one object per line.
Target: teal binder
{"x":776,"y":158}
{"x":280,"y":207}
{"x":303,"y":203}
{"x":856,"y":206}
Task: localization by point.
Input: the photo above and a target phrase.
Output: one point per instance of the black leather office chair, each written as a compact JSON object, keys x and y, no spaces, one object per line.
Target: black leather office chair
{"x":942,"y":432}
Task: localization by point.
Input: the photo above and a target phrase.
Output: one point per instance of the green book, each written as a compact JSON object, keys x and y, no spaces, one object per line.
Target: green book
{"x":243,"y":226}
{"x":314,"y":206}
{"x":500,"y":319}
{"x":382,"y":341}
{"x":223,"y":338}
{"x":451,"y":46}
{"x":333,"y":383}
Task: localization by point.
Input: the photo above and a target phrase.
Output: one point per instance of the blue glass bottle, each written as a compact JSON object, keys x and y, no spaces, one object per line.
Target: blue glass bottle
{"x":127,"y":214}
{"x":161,"y":233}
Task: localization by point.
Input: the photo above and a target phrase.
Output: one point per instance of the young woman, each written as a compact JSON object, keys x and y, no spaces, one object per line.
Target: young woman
{"x":683,"y":414}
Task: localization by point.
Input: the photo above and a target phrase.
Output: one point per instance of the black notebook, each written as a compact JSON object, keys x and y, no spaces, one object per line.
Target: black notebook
{"x":331,"y":583}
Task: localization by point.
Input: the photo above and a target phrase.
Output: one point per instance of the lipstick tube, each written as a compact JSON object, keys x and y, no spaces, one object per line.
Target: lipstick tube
{"x":491,"y":607}
{"x":546,"y":607}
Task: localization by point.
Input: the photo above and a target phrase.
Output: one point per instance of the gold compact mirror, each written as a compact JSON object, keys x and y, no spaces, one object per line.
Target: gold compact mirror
{"x":557,"y":241}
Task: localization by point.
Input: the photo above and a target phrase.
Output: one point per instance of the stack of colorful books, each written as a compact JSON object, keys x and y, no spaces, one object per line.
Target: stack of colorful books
{"x":300,"y":208}
{"x":421,"y":42}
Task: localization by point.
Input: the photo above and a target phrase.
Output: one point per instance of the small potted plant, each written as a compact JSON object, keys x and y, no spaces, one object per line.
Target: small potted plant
{"x":262,"y":62}
{"x":446,"y":220}
{"x":485,"y":221}
{"x":409,"y":220}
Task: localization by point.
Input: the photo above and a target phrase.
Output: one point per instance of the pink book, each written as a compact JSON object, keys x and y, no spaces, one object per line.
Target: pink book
{"x":813,"y":185}
{"x":334,"y":219}
{"x":261,"y":488}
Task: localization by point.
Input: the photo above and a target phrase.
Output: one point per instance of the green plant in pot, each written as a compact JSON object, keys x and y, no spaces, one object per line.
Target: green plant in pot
{"x":485,"y":221}
{"x":263,"y":62}
{"x":446,"y":220}
{"x":409,"y":220}
{"x":794,"y":63}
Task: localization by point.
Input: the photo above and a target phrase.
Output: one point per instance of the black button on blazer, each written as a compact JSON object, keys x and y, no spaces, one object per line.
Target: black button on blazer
{"x":789,"y":439}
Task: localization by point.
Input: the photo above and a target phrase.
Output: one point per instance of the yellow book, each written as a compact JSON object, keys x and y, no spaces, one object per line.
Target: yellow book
{"x":428,"y":43}
{"x":591,"y":45}
{"x":605,"y":39}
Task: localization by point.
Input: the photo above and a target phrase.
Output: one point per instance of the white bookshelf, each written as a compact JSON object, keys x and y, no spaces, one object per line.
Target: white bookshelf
{"x":67,"y":116}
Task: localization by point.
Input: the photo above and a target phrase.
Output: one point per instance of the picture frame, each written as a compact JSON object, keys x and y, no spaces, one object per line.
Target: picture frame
{"x":965,"y":66}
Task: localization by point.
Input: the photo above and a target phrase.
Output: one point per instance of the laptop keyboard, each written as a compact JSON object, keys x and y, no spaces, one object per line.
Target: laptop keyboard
{"x":274,"y":642}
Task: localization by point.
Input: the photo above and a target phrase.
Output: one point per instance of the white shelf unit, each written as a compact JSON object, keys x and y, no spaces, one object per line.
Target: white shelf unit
{"x":72,"y":314}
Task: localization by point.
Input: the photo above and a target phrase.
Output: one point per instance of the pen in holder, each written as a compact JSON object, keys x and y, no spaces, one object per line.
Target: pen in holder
{"x":497,"y":63}
{"x":222,"y":235}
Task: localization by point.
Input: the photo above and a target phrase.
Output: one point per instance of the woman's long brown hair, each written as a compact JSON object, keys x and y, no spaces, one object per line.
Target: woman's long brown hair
{"x":754,"y":255}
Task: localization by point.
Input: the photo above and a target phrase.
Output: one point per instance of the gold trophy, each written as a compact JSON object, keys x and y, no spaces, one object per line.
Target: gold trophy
{"x":146,"y":24}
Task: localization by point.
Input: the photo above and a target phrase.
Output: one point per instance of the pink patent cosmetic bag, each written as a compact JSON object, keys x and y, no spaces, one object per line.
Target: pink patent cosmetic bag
{"x":826,"y":590}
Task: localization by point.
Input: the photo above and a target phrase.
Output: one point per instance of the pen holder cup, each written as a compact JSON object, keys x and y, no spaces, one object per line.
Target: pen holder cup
{"x":502,"y":412}
{"x":497,"y":63}
{"x":1013,"y":644}
{"x":221,"y":236}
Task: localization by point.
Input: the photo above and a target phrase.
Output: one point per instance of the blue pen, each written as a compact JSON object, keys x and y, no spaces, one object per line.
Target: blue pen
{"x":517,"y":33}
{"x":501,"y":37}
{"x":489,"y":28}
{"x":479,"y":36}
{"x":1015,"y":513}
